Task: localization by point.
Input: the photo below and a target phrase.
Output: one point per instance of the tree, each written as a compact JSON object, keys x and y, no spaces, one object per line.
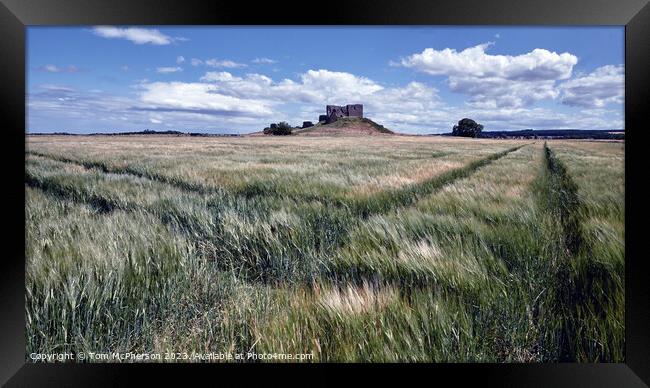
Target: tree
{"x":281,"y":128}
{"x":467,"y":128}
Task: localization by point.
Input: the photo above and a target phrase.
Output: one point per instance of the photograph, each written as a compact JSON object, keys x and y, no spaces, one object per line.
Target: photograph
{"x":325,"y":194}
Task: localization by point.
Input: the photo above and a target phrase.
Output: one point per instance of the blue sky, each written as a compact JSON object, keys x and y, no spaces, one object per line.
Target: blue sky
{"x":240,"y":79}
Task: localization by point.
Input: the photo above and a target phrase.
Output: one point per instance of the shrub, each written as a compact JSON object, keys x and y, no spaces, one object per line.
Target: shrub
{"x":281,"y":128}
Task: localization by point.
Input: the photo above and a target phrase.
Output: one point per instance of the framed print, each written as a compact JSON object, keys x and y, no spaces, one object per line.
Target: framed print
{"x":450,"y":189}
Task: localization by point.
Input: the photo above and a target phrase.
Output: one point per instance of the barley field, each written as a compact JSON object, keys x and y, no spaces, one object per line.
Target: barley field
{"x":349,"y":249}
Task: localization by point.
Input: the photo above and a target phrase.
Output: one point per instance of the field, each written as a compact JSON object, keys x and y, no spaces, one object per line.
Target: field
{"x":382,"y":248}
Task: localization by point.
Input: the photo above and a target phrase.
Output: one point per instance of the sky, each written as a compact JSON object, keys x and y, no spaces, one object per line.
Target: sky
{"x":417,"y":80}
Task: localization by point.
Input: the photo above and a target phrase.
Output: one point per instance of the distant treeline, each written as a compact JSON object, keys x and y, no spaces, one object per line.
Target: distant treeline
{"x":145,"y":132}
{"x":614,"y":134}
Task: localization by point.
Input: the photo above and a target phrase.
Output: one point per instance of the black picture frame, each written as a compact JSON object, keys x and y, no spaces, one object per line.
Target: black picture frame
{"x":15,"y":15}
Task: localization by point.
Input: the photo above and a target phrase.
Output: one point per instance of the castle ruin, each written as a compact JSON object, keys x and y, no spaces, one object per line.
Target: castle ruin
{"x":335,"y":112}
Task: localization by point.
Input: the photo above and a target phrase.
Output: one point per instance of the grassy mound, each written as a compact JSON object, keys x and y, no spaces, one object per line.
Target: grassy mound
{"x":346,"y":126}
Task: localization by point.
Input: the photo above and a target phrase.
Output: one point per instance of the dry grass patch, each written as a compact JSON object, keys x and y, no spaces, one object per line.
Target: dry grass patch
{"x":352,"y":299}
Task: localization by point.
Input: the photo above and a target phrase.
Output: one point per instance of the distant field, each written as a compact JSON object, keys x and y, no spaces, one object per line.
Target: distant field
{"x":382,"y":248}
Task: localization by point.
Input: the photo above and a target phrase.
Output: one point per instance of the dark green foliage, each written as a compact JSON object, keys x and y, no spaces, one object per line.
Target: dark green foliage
{"x":467,"y":128}
{"x":280,"y":129}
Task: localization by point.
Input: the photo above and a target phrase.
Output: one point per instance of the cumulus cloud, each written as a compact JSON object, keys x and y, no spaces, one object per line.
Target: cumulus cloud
{"x":338,"y":83}
{"x":604,"y":85}
{"x":415,"y":107}
{"x":180,"y":59}
{"x":220,"y":100}
{"x":313,"y":86}
{"x":219,"y":76}
{"x":167,"y":70}
{"x":134,"y":34}
{"x":222,"y":94}
{"x":490,"y":93}
{"x":199,"y":97}
{"x":539,"y":64}
{"x":496,"y":80}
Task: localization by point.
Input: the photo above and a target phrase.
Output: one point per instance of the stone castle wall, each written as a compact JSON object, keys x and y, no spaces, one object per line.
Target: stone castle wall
{"x":335,"y":112}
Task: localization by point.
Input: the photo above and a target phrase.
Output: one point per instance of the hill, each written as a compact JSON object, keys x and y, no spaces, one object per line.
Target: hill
{"x":346,"y":126}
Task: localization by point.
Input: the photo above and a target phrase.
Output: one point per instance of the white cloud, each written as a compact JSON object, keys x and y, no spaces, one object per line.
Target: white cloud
{"x":255,"y":99}
{"x":202,"y":98}
{"x":496,"y":80}
{"x":604,"y":85}
{"x":57,"y":88}
{"x":214,"y":62}
{"x":441,"y":119}
{"x":219,"y":76}
{"x":338,"y":84}
{"x":222,"y":101}
{"x":266,"y":61}
{"x":86,"y":111}
{"x":223,"y":63}
{"x":314,"y":86}
{"x":539,"y":64}
{"x":490,"y":93}
{"x":167,"y":70}
{"x":134,"y":34}
{"x":55,"y":69}
{"x":255,"y":95}
{"x":180,"y":59}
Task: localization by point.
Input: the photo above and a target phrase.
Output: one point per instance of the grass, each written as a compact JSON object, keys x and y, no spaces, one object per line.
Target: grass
{"x":344,"y":121}
{"x":589,"y":271}
{"x":386,"y":249}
